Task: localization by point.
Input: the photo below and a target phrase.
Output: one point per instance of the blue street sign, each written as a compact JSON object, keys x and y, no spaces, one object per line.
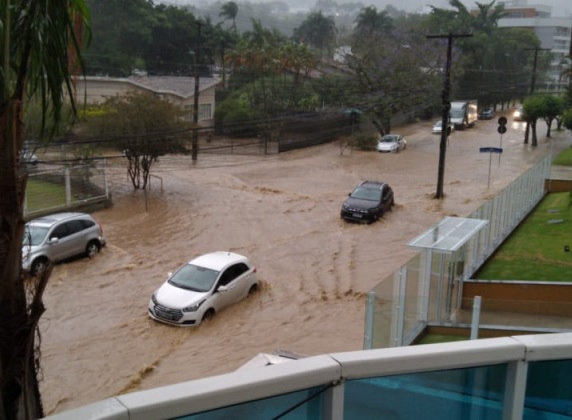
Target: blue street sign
{"x":490,"y":150}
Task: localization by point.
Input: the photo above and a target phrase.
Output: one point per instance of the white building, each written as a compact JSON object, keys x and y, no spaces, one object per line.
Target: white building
{"x":178,"y":90}
{"x":554,"y":33}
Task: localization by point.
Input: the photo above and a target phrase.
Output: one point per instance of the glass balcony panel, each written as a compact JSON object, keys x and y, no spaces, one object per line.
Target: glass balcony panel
{"x":306,"y":404}
{"x":452,"y":394}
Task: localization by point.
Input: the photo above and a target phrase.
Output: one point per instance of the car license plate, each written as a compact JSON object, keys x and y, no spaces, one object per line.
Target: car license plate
{"x":357,"y":215}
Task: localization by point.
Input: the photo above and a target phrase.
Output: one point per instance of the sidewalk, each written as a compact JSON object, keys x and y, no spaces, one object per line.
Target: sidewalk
{"x":563,"y":173}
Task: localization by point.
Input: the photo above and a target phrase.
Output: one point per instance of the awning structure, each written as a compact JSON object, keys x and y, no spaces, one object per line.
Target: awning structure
{"x":448,"y":235}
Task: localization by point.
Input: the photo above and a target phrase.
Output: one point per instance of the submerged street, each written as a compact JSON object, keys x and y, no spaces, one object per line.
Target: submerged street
{"x":283,"y":212}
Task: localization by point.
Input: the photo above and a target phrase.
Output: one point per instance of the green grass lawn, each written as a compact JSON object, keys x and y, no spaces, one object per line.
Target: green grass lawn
{"x":536,"y":249}
{"x":564,"y":158}
{"x":42,"y":195}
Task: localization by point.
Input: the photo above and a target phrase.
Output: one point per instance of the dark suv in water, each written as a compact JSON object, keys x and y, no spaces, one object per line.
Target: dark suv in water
{"x":367,"y":202}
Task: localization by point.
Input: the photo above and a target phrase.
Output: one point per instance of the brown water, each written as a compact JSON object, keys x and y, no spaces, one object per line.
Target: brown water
{"x":283,"y":212}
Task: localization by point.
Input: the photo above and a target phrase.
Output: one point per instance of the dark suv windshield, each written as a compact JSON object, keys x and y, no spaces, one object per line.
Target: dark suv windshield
{"x":367,"y":194}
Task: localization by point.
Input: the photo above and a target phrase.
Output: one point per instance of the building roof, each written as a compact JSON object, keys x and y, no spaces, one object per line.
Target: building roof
{"x":176,"y":85}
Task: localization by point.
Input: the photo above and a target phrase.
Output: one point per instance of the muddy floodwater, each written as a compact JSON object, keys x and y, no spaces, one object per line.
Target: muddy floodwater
{"x":283,"y":212}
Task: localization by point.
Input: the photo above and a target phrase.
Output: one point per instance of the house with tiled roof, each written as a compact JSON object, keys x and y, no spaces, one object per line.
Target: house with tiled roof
{"x":178,"y":90}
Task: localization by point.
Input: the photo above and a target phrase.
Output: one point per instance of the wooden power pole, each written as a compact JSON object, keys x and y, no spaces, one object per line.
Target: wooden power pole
{"x":195,"y":144}
{"x":446,"y":102}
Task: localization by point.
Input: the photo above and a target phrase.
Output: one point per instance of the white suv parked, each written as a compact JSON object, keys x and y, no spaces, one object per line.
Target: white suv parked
{"x":57,"y":237}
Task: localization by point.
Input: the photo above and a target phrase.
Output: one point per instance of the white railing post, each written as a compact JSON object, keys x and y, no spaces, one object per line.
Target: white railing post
{"x":515,"y":390}
{"x":369,"y":321}
{"x":334,"y":402}
{"x":476,"y":318}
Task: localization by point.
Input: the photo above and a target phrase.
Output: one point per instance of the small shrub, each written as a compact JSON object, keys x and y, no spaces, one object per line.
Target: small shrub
{"x":366,"y":141}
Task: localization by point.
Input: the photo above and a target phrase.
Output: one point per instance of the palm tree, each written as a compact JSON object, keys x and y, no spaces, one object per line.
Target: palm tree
{"x":488,"y":17}
{"x":317,"y":31}
{"x":229,"y":11}
{"x":297,"y":59}
{"x":370,"y":22}
{"x":40,"y":54}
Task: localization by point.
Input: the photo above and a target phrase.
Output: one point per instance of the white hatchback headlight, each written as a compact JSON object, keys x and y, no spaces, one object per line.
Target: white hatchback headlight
{"x":194,"y":306}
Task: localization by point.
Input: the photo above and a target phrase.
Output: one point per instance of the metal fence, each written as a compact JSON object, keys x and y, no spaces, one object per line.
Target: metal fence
{"x":57,"y":188}
{"x":403,"y":304}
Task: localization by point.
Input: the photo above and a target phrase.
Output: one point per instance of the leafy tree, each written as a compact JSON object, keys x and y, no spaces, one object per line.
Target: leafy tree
{"x":172,"y":49}
{"x":297,"y":60}
{"x":488,"y":16}
{"x":40,"y":52}
{"x":219,"y":41}
{"x":143,"y":127}
{"x":567,"y":119}
{"x":229,"y":11}
{"x":317,"y":31}
{"x":451,"y":20}
{"x":394,"y":76}
{"x":122,"y":31}
{"x":534,"y":107}
{"x":371,"y":24}
{"x":494,"y":65}
{"x":554,"y":106}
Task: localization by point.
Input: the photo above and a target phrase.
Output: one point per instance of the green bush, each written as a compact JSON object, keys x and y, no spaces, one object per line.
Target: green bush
{"x":567,"y":119}
{"x":366,"y":141}
{"x":236,"y":120}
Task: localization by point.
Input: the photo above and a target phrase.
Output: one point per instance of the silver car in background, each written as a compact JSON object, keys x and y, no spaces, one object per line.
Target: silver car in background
{"x":57,"y":237}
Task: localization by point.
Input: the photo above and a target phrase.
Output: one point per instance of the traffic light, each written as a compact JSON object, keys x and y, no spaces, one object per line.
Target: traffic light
{"x":502,"y":125}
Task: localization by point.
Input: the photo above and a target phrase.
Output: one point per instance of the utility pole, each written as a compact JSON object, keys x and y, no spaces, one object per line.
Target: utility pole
{"x":195,"y":144}
{"x":446,"y":107}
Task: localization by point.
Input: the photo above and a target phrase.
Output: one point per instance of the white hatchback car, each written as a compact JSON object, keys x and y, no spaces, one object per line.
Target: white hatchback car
{"x":202,"y":287}
{"x":391,"y":143}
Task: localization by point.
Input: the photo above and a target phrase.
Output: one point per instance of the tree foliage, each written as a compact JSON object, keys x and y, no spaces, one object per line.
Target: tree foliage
{"x":400,"y":74}
{"x":121,"y":32}
{"x":318,"y":31}
{"x":229,"y":11}
{"x":136,"y":34}
{"x":141,"y":126}
{"x":494,"y":65}
{"x":553,"y":108}
{"x":567,"y":119}
{"x":39,"y":53}
{"x":370,"y":25}
{"x":540,"y":106}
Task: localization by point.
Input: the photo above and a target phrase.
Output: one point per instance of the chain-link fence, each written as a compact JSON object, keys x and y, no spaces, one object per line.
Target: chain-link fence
{"x":60,"y":187}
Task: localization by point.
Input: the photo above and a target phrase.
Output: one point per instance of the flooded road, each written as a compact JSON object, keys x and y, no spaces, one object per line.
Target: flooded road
{"x":281,"y":211}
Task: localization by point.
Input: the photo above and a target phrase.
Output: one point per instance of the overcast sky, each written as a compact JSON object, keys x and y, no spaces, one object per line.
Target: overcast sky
{"x":560,"y":8}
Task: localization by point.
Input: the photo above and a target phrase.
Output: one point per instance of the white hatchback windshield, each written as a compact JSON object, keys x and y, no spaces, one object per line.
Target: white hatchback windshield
{"x":388,"y":139}
{"x":34,"y":235}
{"x":195,"y":278}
